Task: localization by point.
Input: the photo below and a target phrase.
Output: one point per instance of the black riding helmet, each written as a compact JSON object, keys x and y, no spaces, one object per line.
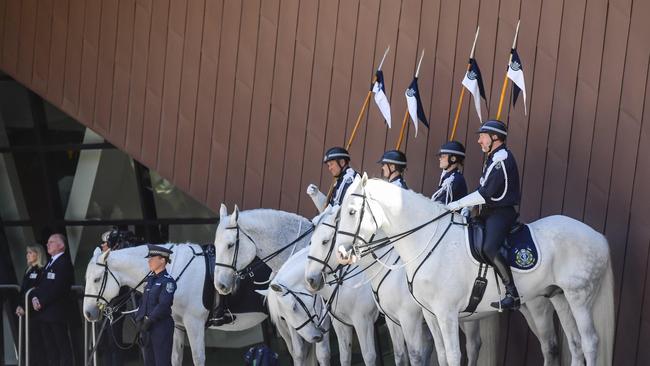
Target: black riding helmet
{"x":335,"y":153}
{"x":454,"y":149}
{"x":494,"y":127}
{"x":393,"y":157}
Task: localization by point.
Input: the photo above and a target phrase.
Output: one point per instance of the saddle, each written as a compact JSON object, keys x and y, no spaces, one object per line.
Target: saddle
{"x":519,"y":248}
{"x":208,"y":284}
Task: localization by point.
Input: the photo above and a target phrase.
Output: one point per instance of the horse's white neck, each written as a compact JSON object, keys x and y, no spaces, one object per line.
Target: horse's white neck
{"x":129,"y":264}
{"x":272,"y":230}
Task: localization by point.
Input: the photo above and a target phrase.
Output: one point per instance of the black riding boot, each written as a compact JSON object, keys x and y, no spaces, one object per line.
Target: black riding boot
{"x":511,"y":300}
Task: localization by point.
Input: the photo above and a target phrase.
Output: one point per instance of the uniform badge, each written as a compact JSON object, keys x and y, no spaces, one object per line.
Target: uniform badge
{"x":348,"y":179}
{"x":524,"y":257}
{"x":51,"y":275}
{"x":170,"y":287}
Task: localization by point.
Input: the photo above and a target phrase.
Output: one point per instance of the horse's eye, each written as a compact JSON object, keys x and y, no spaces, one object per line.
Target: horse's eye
{"x":353,"y":212}
{"x":231,"y":245}
{"x":325,"y":241}
{"x":96,"y":280}
{"x":295,"y":307}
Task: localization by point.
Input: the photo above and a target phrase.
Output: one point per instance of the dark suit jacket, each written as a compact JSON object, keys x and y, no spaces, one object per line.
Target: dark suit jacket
{"x":53,"y":290}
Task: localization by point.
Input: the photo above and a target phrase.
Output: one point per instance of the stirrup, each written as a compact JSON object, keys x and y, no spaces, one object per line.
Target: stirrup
{"x":219,"y":321}
{"x":509,"y":302}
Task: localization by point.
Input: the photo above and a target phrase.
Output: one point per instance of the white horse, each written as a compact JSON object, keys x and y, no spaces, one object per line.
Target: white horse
{"x":108,"y":271}
{"x":299,"y":315}
{"x":404,"y":320}
{"x":391,"y":289}
{"x":243,"y":235}
{"x":574,"y":259}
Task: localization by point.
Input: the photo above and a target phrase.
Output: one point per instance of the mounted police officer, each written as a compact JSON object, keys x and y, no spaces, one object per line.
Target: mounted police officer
{"x":154,"y":317}
{"x":499,"y":194}
{"x":393,"y":164}
{"x":338,"y":164}
{"x":452,"y":184}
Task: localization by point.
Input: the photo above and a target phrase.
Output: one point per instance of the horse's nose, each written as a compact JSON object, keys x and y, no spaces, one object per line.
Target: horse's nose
{"x":317,"y":338}
{"x":310,"y":281}
{"x":87,"y":314}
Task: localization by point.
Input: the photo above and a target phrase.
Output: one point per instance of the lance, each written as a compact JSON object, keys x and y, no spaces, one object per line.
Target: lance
{"x":358,"y":122}
{"x":406,"y":114}
{"x":462,"y":88}
{"x":505,"y":78}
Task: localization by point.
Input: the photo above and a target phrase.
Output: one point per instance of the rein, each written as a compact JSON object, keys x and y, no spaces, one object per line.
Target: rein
{"x":251,"y":268}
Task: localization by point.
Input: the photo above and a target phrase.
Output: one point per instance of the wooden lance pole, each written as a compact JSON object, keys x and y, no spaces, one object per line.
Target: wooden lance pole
{"x":462,"y":88}
{"x":358,"y":122}
{"x":406,"y":114}
{"x":505,"y":78}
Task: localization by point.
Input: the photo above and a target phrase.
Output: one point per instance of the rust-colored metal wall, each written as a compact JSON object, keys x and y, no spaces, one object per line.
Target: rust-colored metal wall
{"x":235,"y":101}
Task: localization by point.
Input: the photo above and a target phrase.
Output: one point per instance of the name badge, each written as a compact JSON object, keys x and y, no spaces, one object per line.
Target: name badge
{"x":51,"y":275}
{"x":32,"y":275}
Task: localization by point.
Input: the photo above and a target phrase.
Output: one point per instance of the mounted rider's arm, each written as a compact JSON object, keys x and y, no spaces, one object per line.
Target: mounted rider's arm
{"x":319,"y":199}
{"x":492,"y":185}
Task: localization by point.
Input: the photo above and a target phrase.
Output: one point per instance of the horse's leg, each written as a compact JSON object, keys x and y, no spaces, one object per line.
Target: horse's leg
{"x":432,"y":323}
{"x":323,"y":351}
{"x":344,"y":340}
{"x":570,"y":328}
{"x":417,"y":338}
{"x":397,"y":338}
{"x":195,"y":328}
{"x":581,"y":303}
{"x":448,"y":322}
{"x":300,"y":349}
{"x":365,"y":327}
{"x":539,"y":315}
{"x":177,"y":347}
{"x":472,"y":332}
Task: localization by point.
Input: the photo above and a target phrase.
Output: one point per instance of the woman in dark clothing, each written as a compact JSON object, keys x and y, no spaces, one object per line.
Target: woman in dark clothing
{"x":35,"y":262}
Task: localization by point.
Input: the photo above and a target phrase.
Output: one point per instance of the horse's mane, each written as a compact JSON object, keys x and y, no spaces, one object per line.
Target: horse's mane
{"x":417,"y":197}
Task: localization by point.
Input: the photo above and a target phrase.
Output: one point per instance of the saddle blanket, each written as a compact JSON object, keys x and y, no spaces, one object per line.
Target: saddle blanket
{"x":520,"y":249}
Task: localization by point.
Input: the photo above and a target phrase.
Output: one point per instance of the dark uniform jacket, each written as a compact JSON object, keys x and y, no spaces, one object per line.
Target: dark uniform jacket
{"x":53,"y":290}
{"x":399,"y":181}
{"x":342,"y":183}
{"x":500,"y":179}
{"x":158,"y":297}
{"x":452,"y":187}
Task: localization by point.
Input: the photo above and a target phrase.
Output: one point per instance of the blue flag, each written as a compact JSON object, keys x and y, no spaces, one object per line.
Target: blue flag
{"x":473,"y":81}
{"x":516,"y":74}
{"x":380,"y":97}
{"x":414,"y":104}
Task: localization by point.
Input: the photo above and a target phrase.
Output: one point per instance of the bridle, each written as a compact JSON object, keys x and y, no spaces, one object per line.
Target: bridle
{"x":313,"y":319}
{"x":233,"y":264}
{"x":369,"y":244}
{"x":330,"y":251}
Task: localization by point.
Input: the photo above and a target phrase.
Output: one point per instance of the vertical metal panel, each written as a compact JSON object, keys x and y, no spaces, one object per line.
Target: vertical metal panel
{"x":243,"y":98}
{"x":609,"y":97}
{"x":280,"y":103}
{"x":56,"y":72}
{"x":221,"y":123}
{"x":629,"y":257}
{"x":73,"y":55}
{"x":137,"y":86}
{"x":171,"y":88}
{"x":105,"y":66}
{"x":591,"y":56}
{"x":562,"y":112}
{"x":319,"y":102}
{"x":122,"y":76}
{"x":155,"y":81}
{"x":3,"y":12}
{"x":11,"y":31}
{"x":42,"y":46}
{"x":27,"y":36}
{"x":89,"y":60}
{"x":298,"y":106}
{"x":188,"y":93}
{"x":210,"y":51}
{"x":260,"y":107}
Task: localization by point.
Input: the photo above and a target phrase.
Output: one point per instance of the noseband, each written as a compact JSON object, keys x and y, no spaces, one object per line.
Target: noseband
{"x":100,"y":295}
{"x":233,"y":265}
{"x":311,"y":318}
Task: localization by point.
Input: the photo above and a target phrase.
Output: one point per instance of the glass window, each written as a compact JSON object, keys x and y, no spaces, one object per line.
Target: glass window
{"x":171,"y":202}
{"x":197,"y":234}
{"x":61,"y":128}
{"x":15,"y":115}
{"x":12,"y":205}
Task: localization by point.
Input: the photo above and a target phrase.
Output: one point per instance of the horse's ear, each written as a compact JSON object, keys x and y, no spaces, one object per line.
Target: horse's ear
{"x":234,"y":217}
{"x":364,"y":179}
{"x":104,"y":257}
{"x":223,"y":211}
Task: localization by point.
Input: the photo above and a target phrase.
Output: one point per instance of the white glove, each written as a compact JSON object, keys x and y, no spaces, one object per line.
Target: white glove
{"x":471,"y":199}
{"x":312,"y":189}
{"x":466,"y":211}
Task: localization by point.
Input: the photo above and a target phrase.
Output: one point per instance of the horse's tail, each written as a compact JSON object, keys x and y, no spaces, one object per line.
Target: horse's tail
{"x":603,"y":313}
